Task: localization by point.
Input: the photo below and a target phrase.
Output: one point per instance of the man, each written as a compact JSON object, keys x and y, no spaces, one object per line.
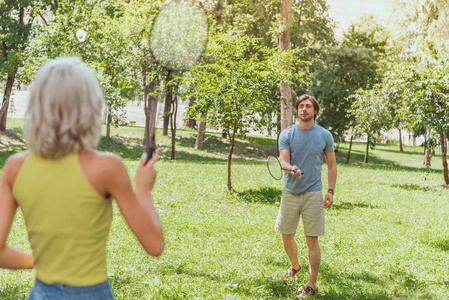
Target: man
{"x":301,"y":149}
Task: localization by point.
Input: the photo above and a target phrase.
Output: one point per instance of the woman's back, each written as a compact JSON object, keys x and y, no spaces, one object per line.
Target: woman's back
{"x":67,"y":219}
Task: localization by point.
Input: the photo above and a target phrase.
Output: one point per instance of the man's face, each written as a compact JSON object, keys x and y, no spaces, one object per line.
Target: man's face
{"x":306,"y":111}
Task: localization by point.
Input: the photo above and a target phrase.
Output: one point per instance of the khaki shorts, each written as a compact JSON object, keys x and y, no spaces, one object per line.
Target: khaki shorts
{"x":309,"y":205}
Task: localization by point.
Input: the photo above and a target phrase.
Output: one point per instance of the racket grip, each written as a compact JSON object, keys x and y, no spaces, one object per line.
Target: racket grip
{"x":150,"y":149}
{"x":149,"y":152}
{"x":294,"y":171}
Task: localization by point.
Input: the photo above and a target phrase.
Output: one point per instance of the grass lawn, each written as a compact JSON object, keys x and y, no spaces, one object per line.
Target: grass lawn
{"x":387,"y":235}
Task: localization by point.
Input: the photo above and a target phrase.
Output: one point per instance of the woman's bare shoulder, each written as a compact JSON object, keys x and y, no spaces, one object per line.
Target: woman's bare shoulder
{"x":103,"y":160}
{"x":14,"y":163}
{"x":16,"y":160}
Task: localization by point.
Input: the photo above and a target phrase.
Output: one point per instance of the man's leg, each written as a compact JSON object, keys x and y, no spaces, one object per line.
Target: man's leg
{"x":291,"y":248}
{"x":314,"y":260}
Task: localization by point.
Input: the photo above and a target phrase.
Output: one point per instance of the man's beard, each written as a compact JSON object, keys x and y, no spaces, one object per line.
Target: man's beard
{"x":308,"y":119}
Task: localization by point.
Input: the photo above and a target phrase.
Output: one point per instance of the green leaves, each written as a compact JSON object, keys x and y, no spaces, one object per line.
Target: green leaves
{"x":372,"y":111}
{"x":234,"y":85}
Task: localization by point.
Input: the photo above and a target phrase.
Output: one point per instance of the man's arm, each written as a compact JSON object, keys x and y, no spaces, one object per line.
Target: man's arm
{"x":285,"y":163}
{"x":331,"y":177}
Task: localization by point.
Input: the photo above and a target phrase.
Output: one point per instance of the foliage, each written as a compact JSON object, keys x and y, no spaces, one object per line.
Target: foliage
{"x":233,"y":90}
{"x":14,"y":33}
{"x":371,"y":111}
{"x":235,"y":87}
{"x":428,"y":103}
{"x":339,"y":70}
{"x":109,"y":49}
{"x":310,"y":23}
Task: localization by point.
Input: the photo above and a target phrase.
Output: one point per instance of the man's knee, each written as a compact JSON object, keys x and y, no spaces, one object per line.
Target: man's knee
{"x":288,"y":238}
{"x":312,"y":241}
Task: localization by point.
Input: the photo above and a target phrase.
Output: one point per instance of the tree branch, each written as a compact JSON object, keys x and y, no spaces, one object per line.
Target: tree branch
{"x":43,"y":19}
{"x":300,"y":13}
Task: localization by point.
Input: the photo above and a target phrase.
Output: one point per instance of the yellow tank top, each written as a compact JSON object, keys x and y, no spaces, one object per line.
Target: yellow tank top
{"x":67,"y":220}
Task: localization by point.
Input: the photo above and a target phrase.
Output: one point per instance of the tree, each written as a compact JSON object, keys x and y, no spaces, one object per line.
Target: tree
{"x":234,"y":90}
{"x":15,"y":29}
{"x":339,"y":70}
{"x":427,"y":104}
{"x":137,"y":19}
{"x":291,"y":25}
{"x":285,"y":45}
{"x":107,"y":49}
{"x":372,"y":114}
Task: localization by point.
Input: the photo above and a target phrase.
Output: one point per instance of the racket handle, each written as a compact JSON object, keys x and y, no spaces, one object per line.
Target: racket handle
{"x":294,"y":171}
{"x":151,"y":146}
{"x":149,"y":152}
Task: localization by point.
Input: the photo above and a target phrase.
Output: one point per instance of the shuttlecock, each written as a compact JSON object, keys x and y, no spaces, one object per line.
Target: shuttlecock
{"x":81,"y":35}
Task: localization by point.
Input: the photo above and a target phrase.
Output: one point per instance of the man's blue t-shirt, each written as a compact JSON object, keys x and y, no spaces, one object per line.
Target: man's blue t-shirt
{"x":306,"y":152}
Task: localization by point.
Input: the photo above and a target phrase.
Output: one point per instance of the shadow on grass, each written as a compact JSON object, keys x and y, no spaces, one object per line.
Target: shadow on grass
{"x":131,"y":148}
{"x":13,"y":134}
{"x":264,"y":195}
{"x":185,"y":156}
{"x":349,"y":284}
{"x":17,"y":291}
{"x":348,"y":205}
{"x":441,"y":244}
{"x":376,"y":163}
{"x":121,"y":283}
{"x":244,"y":287}
{"x":127,"y":148}
{"x":217,"y":145}
{"x":412,"y":187}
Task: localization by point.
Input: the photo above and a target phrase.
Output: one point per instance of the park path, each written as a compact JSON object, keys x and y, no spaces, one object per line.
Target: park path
{"x":134,"y":110}
{"x":134,"y":113}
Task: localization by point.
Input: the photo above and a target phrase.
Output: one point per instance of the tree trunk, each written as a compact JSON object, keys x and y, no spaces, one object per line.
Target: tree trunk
{"x":444,"y":157}
{"x":108,"y":126}
{"x":367,"y":150}
{"x":231,"y":150}
{"x":191,"y":123}
{"x":270,"y":125}
{"x":401,"y":148}
{"x":199,"y":144}
{"x":285,"y":45}
{"x":6,"y":101}
{"x":348,"y":157}
{"x":220,"y":12}
{"x":426,"y":157}
{"x":167,"y":108}
{"x":150,"y":108}
{"x":173,"y":114}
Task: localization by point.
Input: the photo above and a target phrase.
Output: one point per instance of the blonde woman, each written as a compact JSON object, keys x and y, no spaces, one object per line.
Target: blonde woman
{"x":64,"y":189}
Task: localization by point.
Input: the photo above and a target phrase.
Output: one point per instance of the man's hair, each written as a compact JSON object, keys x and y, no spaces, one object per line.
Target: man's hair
{"x":64,"y":111}
{"x":315,"y":103}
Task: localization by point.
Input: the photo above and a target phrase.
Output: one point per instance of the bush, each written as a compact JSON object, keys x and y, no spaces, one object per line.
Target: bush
{"x":392,"y":142}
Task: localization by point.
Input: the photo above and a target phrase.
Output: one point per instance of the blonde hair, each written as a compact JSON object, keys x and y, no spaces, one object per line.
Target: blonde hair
{"x":64,"y":111}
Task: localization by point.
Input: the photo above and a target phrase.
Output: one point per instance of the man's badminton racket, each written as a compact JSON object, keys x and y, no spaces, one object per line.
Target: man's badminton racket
{"x":275,"y":168}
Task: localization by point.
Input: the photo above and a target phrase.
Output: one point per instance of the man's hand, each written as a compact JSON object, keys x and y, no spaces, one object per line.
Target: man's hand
{"x":328,"y":200}
{"x":296,"y":172}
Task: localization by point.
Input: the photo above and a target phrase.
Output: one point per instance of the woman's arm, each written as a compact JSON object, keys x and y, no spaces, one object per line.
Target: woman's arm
{"x":137,"y":206}
{"x":10,"y":258}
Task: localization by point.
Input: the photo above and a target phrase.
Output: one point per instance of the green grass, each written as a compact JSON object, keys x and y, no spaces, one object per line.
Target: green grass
{"x":387,"y":235}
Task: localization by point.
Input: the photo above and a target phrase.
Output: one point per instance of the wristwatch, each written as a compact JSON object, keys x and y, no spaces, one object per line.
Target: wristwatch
{"x":330,"y":191}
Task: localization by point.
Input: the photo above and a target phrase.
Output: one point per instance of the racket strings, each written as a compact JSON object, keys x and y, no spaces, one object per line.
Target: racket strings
{"x":179,"y":34}
{"x":274,"y":167}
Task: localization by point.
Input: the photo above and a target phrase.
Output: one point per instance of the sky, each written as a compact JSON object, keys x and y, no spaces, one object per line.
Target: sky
{"x":346,"y":12}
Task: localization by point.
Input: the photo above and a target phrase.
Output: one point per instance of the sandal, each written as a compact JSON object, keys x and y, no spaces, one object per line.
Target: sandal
{"x":307,"y":291}
{"x":290,"y":273}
